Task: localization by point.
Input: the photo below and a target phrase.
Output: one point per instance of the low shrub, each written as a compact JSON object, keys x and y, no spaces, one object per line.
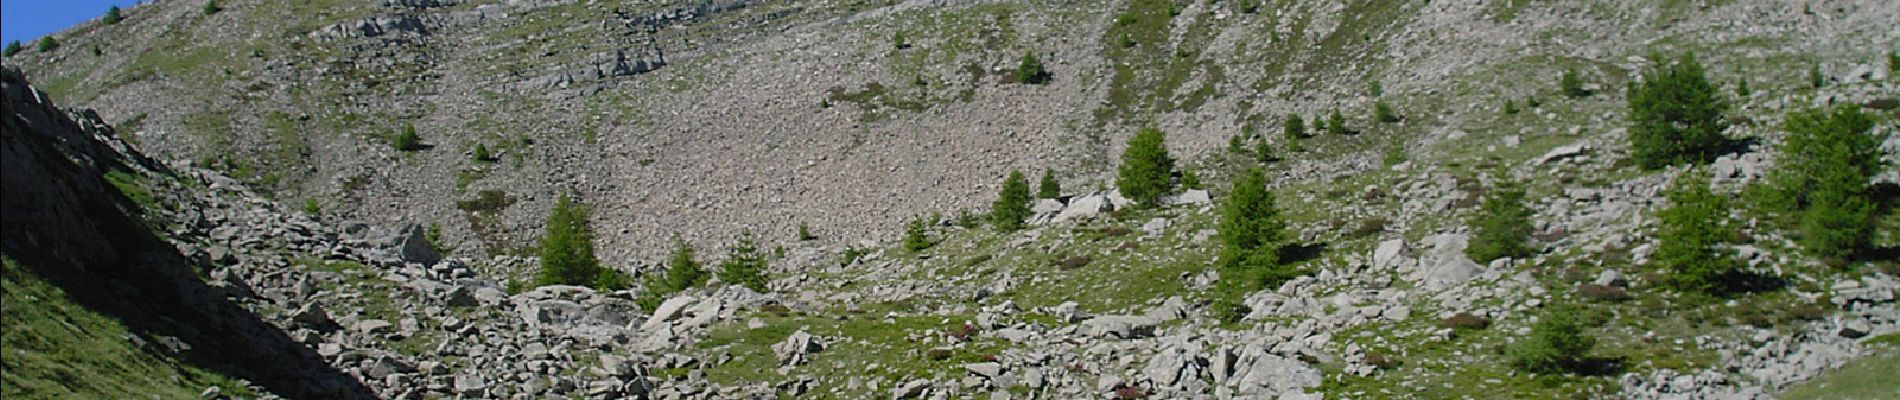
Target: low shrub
{"x":1071,"y":262}
{"x":1602,"y":292}
{"x":776,"y":309}
{"x":962,"y":333}
{"x":1465,"y":321}
{"x":1381,"y":360}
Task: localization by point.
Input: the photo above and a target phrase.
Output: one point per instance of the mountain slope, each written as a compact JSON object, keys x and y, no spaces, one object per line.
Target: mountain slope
{"x":700,"y":121}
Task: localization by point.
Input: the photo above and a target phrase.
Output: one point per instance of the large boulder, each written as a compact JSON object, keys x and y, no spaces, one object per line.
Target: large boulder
{"x":1445,"y":264}
{"x":1083,"y":207}
{"x":1261,"y":375}
{"x":1389,"y":254}
{"x":667,"y":310}
{"x":1121,"y":326}
{"x":413,"y":246}
{"x":796,"y":348}
{"x":1196,"y":197}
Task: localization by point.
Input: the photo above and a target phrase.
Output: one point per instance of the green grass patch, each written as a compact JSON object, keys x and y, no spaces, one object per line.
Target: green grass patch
{"x":1871,"y":377}
{"x":56,"y":349}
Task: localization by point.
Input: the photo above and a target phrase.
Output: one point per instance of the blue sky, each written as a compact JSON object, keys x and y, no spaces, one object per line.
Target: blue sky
{"x":27,"y":20}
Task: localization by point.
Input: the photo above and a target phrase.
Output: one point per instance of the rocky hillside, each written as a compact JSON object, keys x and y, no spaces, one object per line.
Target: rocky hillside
{"x":283,"y":240}
{"x":699,"y":120}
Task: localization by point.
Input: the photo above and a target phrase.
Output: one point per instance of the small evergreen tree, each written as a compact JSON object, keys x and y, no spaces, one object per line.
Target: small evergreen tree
{"x":1263,"y":153}
{"x":48,"y":44}
{"x":481,"y":154}
{"x":1147,"y":171}
{"x":212,"y":7}
{"x":12,"y":48}
{"x":1383,"y":113}
{"x":1510,"y":108}
{"x":1012,"y":203}
{"x":408,"y":140}
{"x":567,"y":248}
{"x":682,"y":271}
{"x":1294,"y":128}
{"x":1238,"y":143}
{"x":1690,"y":239}
{"x":310,"y":207}
{"x":804,"y":233}
{"x":1818,"y":141}
{"x":744,"y":265}
{"x":1190,"y":180}
{"x":915,"y":236}
{"x":1815,"y":78}
{"x":1828,"y":159}
{"x":1675,"y":116}
{"x":1251,"y":233}
{"x":1049,"y":188}
{"x":1571,"y":84}
{"x":1501,"y":228}
{"x":1557,"y":342}
{"x":112,"y":16}
{"x":1030,"y":70}
{"x":1375,"y":90}
{"x":610,"y":279}
{"x":899,"y":41}
{"x":1336,"y":123}
{"x":1741,"y":89}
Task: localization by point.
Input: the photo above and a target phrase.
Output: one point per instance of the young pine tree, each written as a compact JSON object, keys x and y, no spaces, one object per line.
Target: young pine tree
{"x":1030,"y":71}
{"x":1049,"y":188}
{"x":481,"y":154}
{"x":212,"y":7}
{"x":12,"y":48}
{"x":744,"y":265}
{"x":804,"y":233}
{"x":1263,"y":153}
{"x":1238,"y":143}
{"x":1501,"y":228}
{"x":1251,"y":233}
{"x":1383,"y":113}
{"x":567,"y":248}
{"x":1675,"y":116}
{"x":915,"y":236}
{"x":1336,"y":123}
{"x":1818,"y":141}
{"x":1294,"y":128}
{"x":1557,"y":342}
{"x":112,"y":16}
{"x":408,"y":140}
{"x":1815,"y":78}
{"x":682,"y":271}
{"x":1572,"y":85}
{"x":1147,"y":171}
{"x":1690,"y":239}
{"x":1012,"y":203}
{"x":48,"y":44}
{"x":1828,"y":159}
{"x":1190,"y":180}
